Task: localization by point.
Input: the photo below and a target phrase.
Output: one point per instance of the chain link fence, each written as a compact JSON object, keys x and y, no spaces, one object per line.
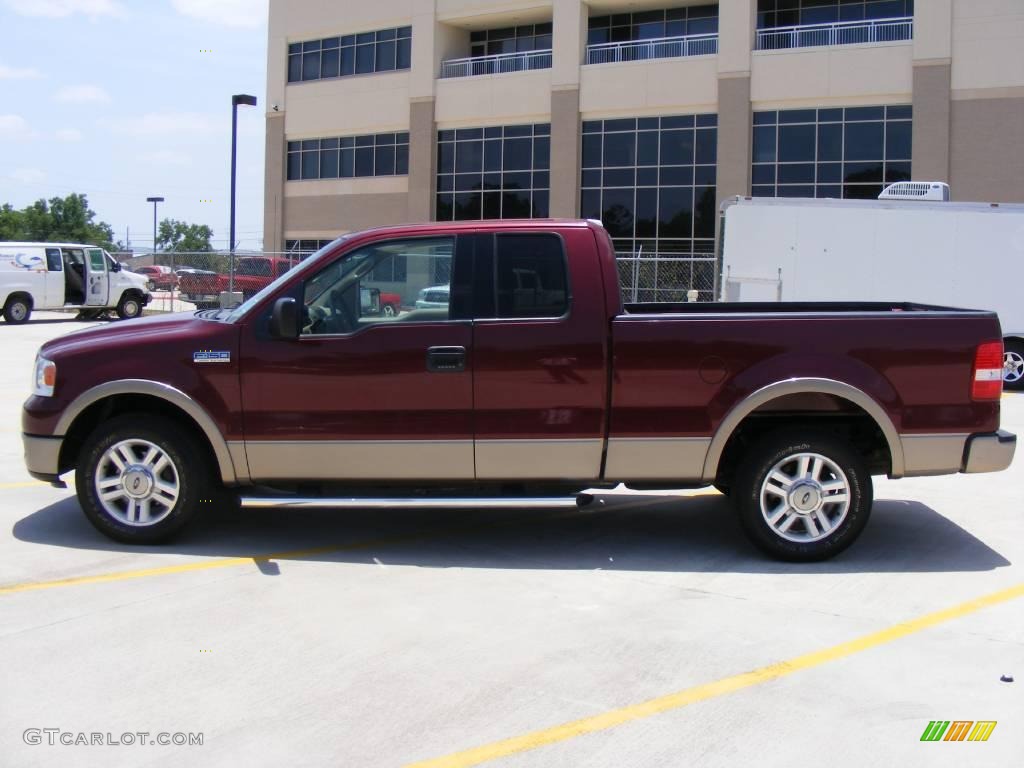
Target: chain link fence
{"x":183,"y":282}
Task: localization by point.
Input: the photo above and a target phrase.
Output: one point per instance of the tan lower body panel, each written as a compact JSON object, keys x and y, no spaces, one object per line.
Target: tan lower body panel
{"x":932,"y":454}
{"x":538,"y":459}
{"x":361,"y":460}
{"x":659,"y":458}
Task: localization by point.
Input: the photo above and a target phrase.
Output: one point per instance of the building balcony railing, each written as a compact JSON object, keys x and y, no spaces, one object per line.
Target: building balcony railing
{"x":661,"y":48}
{"x":840,"y":33}
{"x":497,"y":64}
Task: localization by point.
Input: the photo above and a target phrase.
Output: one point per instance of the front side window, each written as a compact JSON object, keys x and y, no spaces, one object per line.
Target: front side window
{"x":530,"y":276}
{"x":97,"y":261}
{"x":387,"y":282}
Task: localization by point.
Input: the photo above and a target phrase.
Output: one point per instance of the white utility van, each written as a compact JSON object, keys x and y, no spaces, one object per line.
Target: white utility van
{"x":66,"y":276}
{"x":952,"y":254}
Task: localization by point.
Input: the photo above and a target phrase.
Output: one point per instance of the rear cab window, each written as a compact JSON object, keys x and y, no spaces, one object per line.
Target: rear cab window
{"x":528,"y":275}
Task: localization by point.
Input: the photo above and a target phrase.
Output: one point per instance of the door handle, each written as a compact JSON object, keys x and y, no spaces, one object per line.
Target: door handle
{"x":446,"y":359}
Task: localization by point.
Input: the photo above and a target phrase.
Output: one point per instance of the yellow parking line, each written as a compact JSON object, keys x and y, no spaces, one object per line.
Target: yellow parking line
{"x":26,"y":484}
{"x":616,"y":717}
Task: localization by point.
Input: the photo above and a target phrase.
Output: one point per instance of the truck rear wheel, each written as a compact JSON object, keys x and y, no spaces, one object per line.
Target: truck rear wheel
{"x":17,"y":310}
{"x":1013,"y":365}
{"x":802,"y":496}
{"x":141,"y":480}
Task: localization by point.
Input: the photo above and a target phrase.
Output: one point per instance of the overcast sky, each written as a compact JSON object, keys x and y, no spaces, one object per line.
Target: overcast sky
{"x":127,"y":99}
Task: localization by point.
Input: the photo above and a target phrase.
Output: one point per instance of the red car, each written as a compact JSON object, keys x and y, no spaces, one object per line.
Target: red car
{"x":532,"y":384}
{"x":252,"y":275}
{"x":162,"y":278}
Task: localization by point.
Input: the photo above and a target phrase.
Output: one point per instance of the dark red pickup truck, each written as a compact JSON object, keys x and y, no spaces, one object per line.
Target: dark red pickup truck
{"x":532,"y":384}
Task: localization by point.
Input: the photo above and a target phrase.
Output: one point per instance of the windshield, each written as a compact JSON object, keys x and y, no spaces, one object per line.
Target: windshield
{"x":242,"y":309}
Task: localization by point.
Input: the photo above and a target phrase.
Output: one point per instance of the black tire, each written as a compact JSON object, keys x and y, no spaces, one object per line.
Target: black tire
{"x":196,"y":486}
{"x":806,"y":540}
{"x":18,"y":310}
{"x":130,"y":306}
{"x":1013,"y":365}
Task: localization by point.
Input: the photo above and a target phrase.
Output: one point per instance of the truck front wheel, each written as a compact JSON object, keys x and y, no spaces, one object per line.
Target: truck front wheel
{"x":802,"y":496}
{"x":1013,"y":365}
{"x":140,"y":481}
{"x":129,"y":307}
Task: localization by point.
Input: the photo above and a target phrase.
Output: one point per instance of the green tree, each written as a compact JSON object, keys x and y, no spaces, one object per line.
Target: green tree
{"x":61,"y":219}
{"x":181,"y":236}
{"x":11,"y":223}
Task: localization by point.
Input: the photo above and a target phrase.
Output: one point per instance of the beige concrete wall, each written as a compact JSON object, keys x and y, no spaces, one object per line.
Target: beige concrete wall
{"x":659,"y":86}
{"x":987,"y":149}
{"x":737,"y":22}
{"x":568,"y":43}
{"x":734,"y":136}
{"x":988,"y":44}
{"x":494,"y":99}
{"x":422,"y":178}
{"x":845,"y":75}
{"x":565,"y":153}
{"x":367,"y":185}
{"x":334,"y":214}
{"x":504,"y":12}
{"x":350,"y":105}
{"x":273,"y":188}
{"x":312,"y":19}
{"x":931,"y":122}
{"x":933,"y":30}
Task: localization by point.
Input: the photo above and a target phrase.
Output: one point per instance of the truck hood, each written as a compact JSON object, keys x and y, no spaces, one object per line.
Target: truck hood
{"x":151,"y":332}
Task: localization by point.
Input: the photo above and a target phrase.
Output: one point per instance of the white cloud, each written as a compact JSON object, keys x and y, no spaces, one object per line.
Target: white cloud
{"x":59,"y":9}
{"x":27,"y":175}
{"x":167,"y":158}
{"x":68,"y":135}
{"x":82,"y":94}
{"x":18,"y":73}
{"x":15,"y":128}
{"x":169,"y":124}
{"x":233,"y":13}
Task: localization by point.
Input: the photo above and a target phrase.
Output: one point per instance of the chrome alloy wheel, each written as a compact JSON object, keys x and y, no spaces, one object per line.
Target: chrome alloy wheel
{"x":19,"y":311}
{"x":137,"y":483}
{"x":805,"y":497}
{"x":1013,"y":366}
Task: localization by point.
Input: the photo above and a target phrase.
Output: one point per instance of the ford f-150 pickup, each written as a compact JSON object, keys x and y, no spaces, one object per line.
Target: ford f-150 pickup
{"x":529,"y":384}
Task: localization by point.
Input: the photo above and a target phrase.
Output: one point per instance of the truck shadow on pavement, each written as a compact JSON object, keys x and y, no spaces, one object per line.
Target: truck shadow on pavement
{"x":699,"y":534}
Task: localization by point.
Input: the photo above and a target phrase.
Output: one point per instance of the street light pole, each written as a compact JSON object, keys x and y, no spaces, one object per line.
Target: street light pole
{"x":154,"y":201}
{"x":248,"y":101}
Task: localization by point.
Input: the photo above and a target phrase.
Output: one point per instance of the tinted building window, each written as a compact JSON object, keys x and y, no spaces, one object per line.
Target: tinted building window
{"x":382,"y":154}
{"x":652,"y":182}
{"x":843,"y":153}
{"x":791,"y":13}
{"x":653,"y":25}
{"x":382,"y":51}
{"x":527,"y":37}
{"x":501,"y":172}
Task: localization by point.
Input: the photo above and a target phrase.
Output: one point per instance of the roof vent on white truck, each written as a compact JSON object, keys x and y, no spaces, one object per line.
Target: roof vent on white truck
{"x":916,"y":190}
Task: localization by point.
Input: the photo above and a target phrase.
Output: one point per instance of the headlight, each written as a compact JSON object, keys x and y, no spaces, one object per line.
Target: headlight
{"x":45,"y":377}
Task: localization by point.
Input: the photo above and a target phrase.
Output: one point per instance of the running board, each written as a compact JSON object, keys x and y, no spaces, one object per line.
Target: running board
{"x":312,"y":502}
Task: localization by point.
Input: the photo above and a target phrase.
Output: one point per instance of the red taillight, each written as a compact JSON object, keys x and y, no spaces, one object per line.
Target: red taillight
{"x":987,"y":381}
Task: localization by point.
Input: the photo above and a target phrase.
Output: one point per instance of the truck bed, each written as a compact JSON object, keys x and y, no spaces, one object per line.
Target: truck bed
{"x":784,"y":308}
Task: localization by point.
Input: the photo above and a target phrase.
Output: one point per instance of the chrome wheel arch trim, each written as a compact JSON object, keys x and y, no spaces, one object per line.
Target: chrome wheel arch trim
{"x":803,"y":386}
{"x":162,"y":391}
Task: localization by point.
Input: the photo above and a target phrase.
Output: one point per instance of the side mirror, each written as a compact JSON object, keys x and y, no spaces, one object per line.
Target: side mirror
{"x":284,"y":319}
{"x":115,"y":267}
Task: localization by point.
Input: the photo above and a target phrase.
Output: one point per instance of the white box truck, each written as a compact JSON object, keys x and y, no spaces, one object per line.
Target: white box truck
{"x":952,"y":254}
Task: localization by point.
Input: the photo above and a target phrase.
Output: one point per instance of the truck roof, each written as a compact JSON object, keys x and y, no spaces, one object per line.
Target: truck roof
{"x":478,"y":224}
{"x":20,"y":244}
{"x":913,"y":205}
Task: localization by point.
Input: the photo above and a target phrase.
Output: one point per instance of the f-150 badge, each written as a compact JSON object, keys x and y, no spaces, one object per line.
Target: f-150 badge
{"x":209,"y":356}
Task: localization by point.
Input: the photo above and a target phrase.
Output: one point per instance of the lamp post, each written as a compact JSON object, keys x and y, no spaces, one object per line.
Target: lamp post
{"x":248,"y":101}
{"x":154,"y":201}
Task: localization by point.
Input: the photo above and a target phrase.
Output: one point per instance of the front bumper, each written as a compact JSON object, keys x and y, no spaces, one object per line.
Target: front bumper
{"x":989,"y":453}
{"x":42,"y":456}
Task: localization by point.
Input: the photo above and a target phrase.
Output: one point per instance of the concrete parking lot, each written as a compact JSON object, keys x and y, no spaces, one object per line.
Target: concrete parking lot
{"x":642,"y":631}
